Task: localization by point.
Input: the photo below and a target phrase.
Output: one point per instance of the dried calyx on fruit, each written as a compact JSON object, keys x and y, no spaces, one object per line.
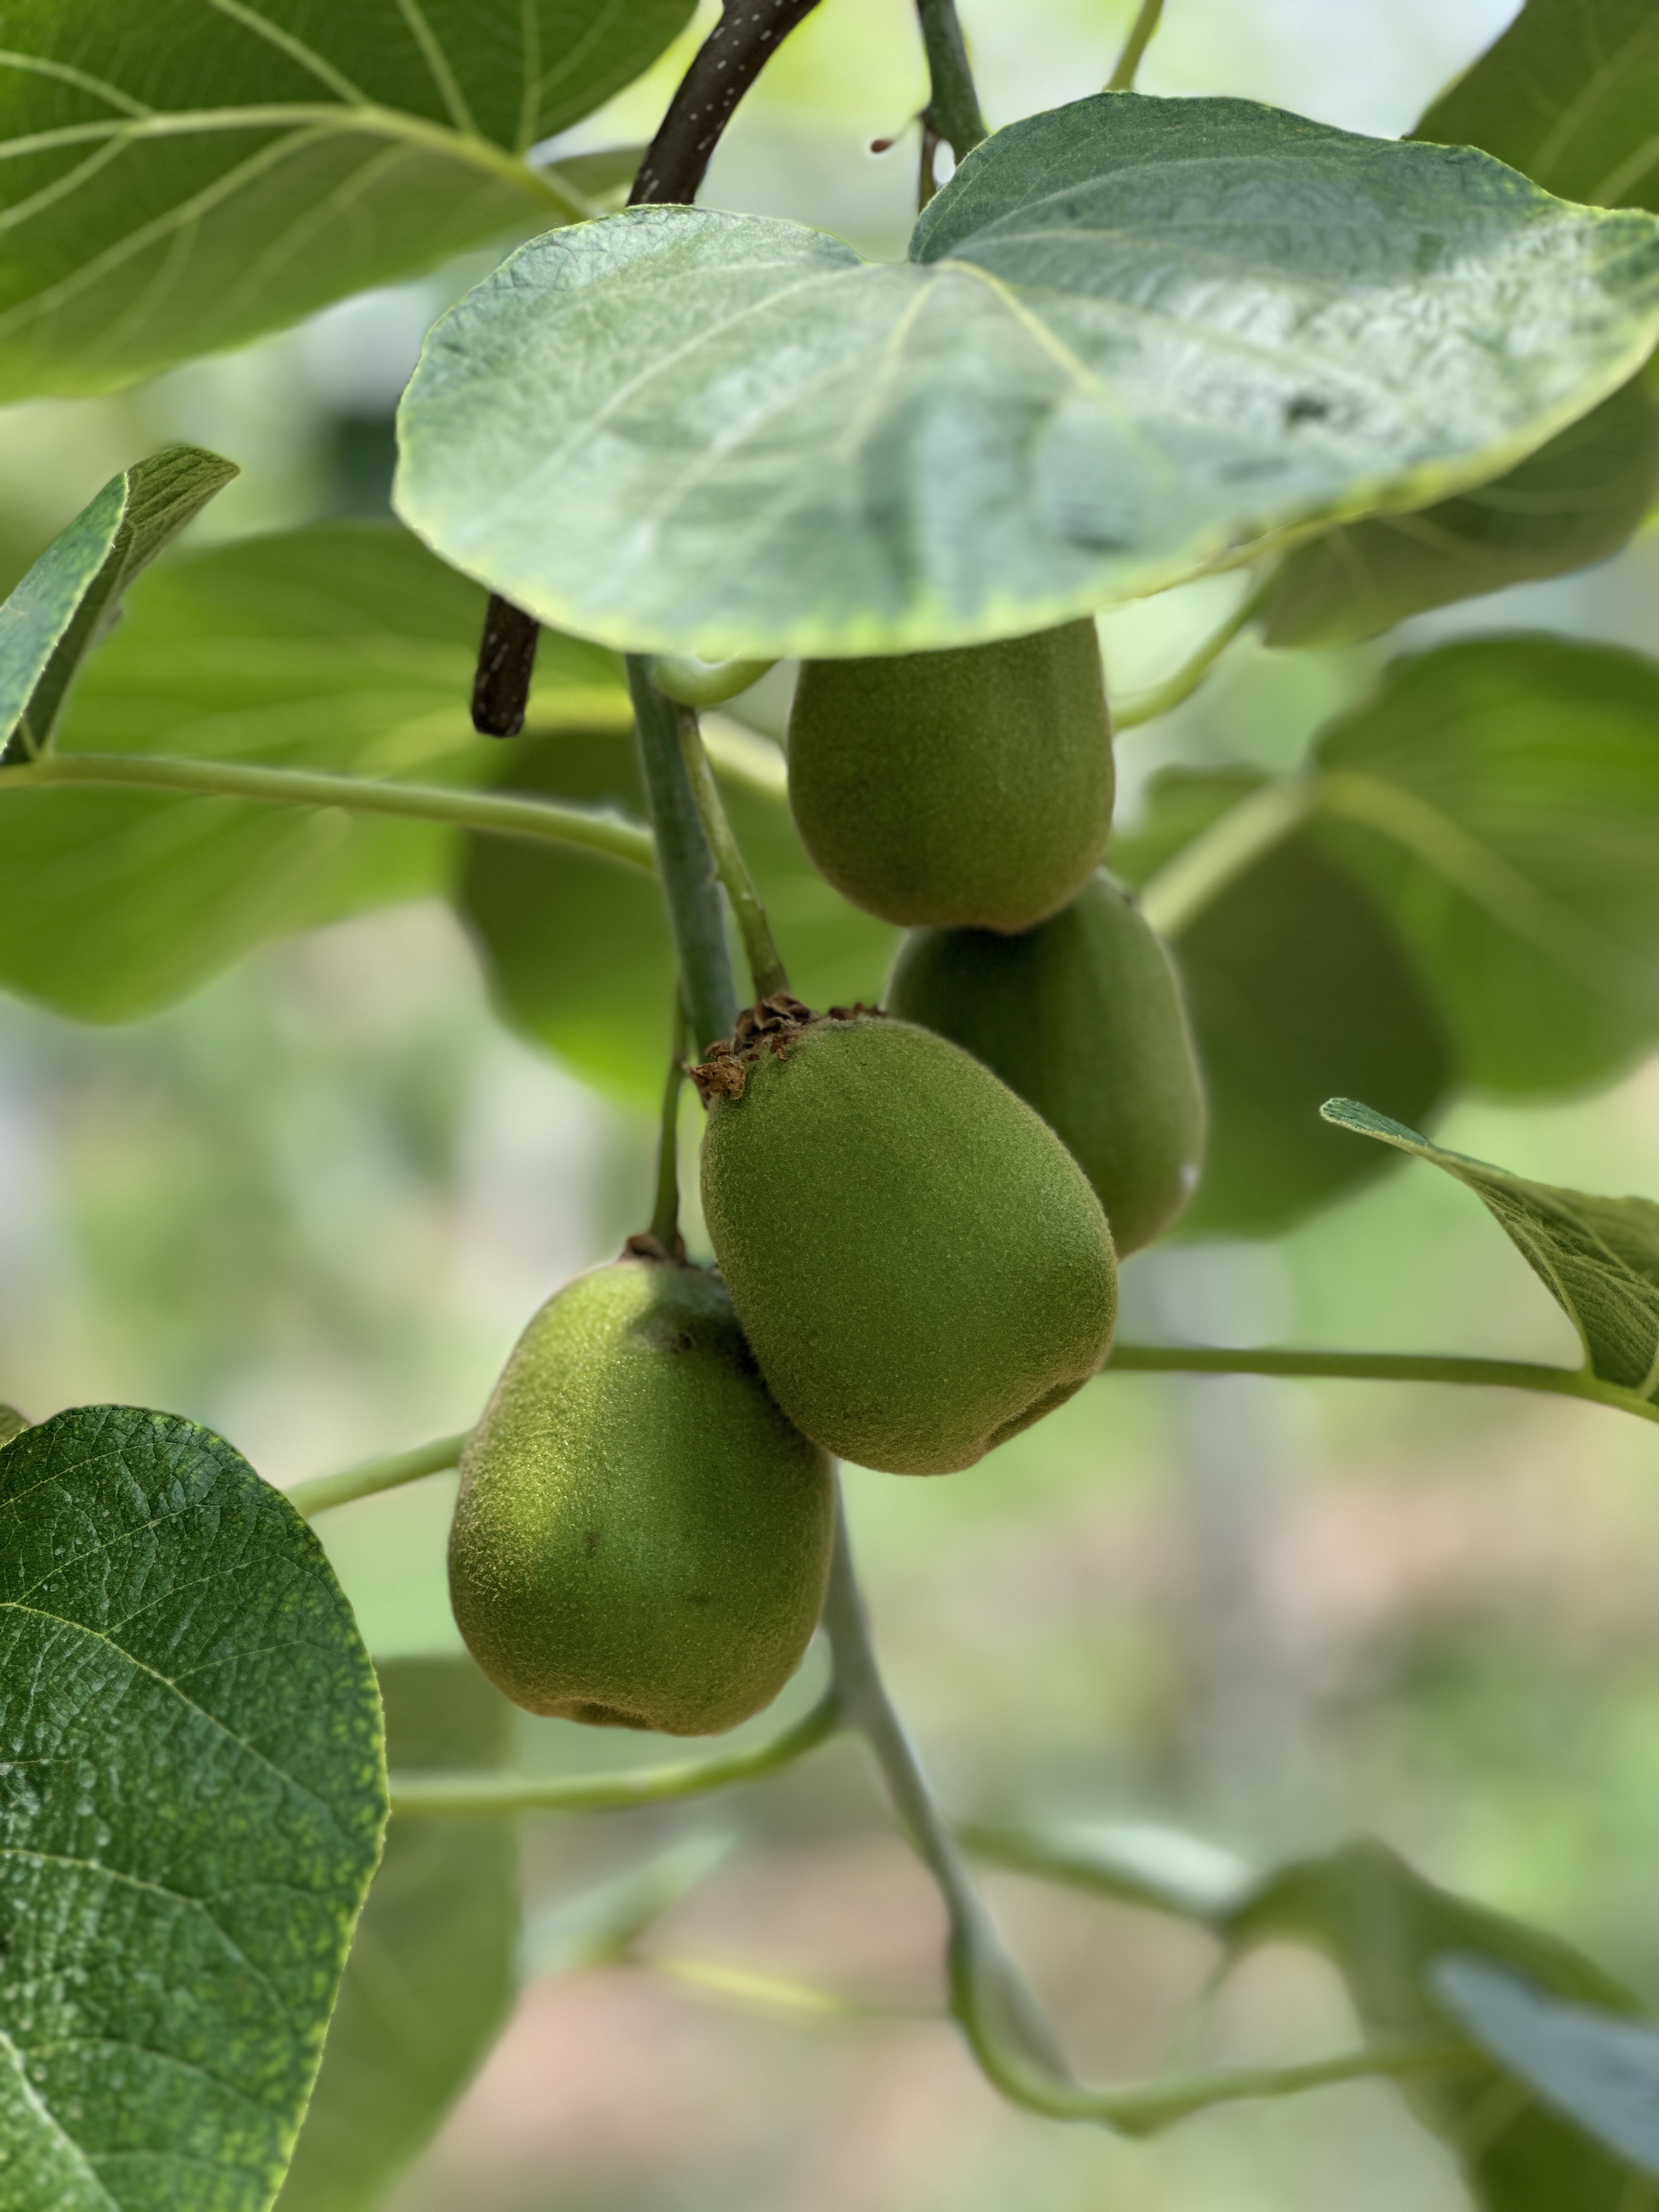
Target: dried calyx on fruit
{"x":919,"y":1263}
{"x":1083,"y":1017}
{"x":642,"y":1538}
{"x":967,"y":787}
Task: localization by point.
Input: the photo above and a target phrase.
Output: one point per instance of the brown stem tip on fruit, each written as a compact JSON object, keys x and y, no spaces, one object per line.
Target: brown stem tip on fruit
{"x":772,"y":1026}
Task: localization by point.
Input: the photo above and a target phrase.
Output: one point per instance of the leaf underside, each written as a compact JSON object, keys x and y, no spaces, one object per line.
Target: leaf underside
{"x":1597,"y":1257}
{"x":67,"y":602}
{"x":1135,"y":337}
{"x":192,"y":1800}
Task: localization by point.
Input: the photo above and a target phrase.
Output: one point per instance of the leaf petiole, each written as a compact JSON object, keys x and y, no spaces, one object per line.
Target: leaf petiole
{"x":1123,"y":78}
{"x":461,"y":809}
{"x":1380,"y":1367}
{"x":324,"y":1490}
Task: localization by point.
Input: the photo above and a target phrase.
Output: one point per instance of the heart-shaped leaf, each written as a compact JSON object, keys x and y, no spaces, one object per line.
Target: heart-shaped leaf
{"x":1573,"y":503}
{"x":72,"y":595}
{"x":1500,"y":798}
{"x":1596,"y":2068}
{"x":192,"y":1799}
{"x":179,"y":177}
{"x":1568,"y":96}
{"x":1293,"y":971}
{"x":1597,"y":1257}
{"x":430,"y":1979}
{"x":1134,"y":336}
{"x":346,"y":648}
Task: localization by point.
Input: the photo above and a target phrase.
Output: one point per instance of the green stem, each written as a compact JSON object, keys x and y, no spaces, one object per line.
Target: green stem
{"x":1123,"y":78}
{"x":1007,"y":2032}
{"x":426,"y":1796}
{"x":1211,"y":863}
{"x":691,"y":889}
{"x":665,"y":1215}
{"x":766,"y":970}
{"x":324,"y":1491}
{"x":989,"y":1994}
{"x":460,"y":809}
{"x":1381,"y":1367}
{"x":1163,"y":698}
{"x":952,"y":112}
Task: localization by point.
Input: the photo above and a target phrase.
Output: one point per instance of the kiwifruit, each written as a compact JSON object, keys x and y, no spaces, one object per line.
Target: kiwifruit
{"x":970,"y":787}
{"x":642,"y":1538}
{"x":919,"y":1263}
{"x":1082,"y":1016}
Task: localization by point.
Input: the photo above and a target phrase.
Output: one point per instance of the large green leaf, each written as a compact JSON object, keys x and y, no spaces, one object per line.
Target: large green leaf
{"x":1597,"y":1257}
{"x":1567,"y":95}
{"x":346,"y":648}
{"x":1574,"y":502}
{"x":1596,"y":2068}
{"x":12,"y":1423}
{"x":578,"y":951}
{"x":71,"y":597}
{"x":1386,"y":1929}
{"x":1134,"y":336}
{"x":192,"y":1799}
{"x":1291,"y":973}
{"x":430,"y":1979}
{"x":1500,"y":799}
{"x":180,"y":177}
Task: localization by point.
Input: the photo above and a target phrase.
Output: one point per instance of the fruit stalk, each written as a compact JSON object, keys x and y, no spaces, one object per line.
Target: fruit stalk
{"x":690,"y":885}
{"x":766,"y":969}
{"x":665,"y":1214}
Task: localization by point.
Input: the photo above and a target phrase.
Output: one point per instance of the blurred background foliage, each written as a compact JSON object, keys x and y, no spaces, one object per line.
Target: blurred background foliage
{"x":313,"y":1204}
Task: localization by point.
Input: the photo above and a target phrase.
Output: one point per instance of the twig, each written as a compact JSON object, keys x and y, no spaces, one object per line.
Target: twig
{"x":726,"y":63}
{"x":725,"y":66}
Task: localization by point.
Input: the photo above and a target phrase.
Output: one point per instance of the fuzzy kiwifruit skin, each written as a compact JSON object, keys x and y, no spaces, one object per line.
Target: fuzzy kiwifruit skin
{"x":642,"y":1538}
{"x":918,"y":1261}
{"x":972,"y":786}
{"x":1083,"y":1018}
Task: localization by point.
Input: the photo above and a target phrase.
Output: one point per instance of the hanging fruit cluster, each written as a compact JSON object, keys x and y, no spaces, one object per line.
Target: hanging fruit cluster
{"x":916,"y":1213}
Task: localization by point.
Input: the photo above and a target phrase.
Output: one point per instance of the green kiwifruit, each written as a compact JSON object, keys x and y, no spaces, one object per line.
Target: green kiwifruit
{"x":641,"y":1539}
{"x":1083,"y":1017}
{"x":918,"y":1261}
{"x":967,"y":787}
